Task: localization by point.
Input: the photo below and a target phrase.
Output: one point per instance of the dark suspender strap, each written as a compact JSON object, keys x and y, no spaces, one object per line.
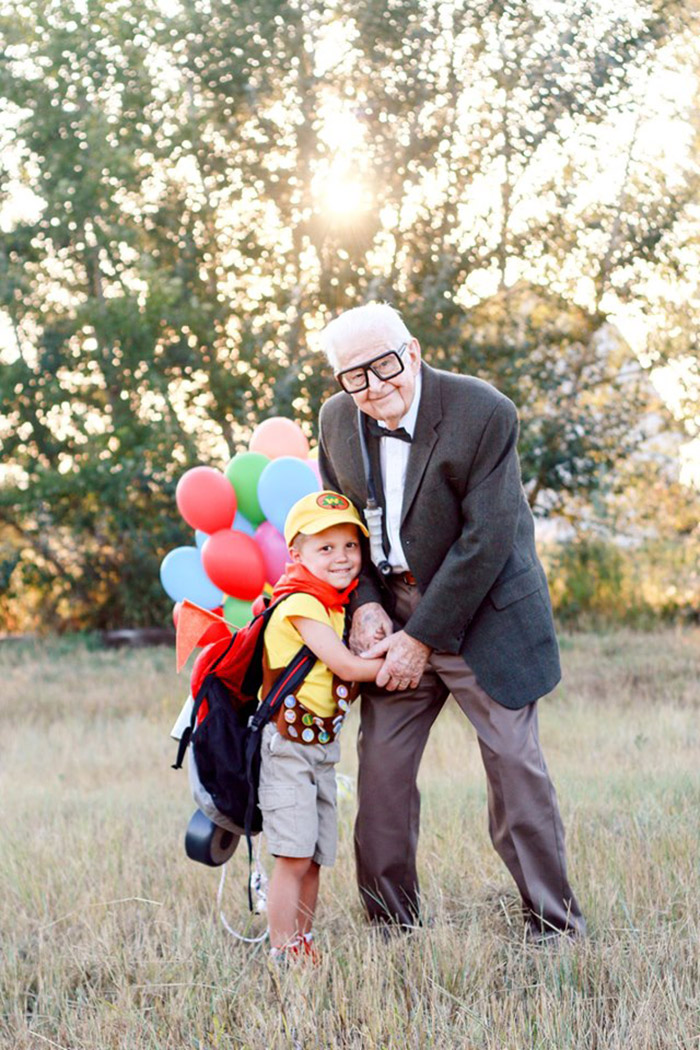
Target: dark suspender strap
{"x":366,"y":462}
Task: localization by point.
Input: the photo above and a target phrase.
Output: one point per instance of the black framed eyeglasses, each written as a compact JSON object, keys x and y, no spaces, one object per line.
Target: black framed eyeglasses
{"x":384,"y":366}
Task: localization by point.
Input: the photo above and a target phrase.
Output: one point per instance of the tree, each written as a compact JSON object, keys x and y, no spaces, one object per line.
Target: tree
{"x":585,"y":401}
{"x":185,"y":247}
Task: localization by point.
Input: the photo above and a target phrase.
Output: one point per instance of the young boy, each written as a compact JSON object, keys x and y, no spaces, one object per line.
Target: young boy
{"x":300,"y":747}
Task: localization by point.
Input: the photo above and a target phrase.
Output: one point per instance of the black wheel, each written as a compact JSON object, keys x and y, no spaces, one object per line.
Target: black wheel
{"x":208,"y":843}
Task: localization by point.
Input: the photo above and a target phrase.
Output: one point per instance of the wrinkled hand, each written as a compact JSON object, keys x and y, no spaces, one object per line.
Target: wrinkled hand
{"x":370,"y":623}
{"x":405,"y":661}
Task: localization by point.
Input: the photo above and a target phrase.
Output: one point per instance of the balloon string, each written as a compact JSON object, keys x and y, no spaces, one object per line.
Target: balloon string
{"x":260,"y":884}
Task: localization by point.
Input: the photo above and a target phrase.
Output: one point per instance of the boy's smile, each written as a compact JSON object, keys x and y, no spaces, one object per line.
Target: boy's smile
{"x":332,"y":555}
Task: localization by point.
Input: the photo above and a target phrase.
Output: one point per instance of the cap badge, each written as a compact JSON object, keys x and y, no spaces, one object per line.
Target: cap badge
{"x":332,"y":501}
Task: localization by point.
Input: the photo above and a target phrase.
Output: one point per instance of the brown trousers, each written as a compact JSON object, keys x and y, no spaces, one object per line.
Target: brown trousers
{"x":524,"y":822}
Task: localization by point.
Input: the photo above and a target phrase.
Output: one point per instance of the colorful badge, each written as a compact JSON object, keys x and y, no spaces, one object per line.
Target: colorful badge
{"x":332,"y":501}
{"x":307,"y":736}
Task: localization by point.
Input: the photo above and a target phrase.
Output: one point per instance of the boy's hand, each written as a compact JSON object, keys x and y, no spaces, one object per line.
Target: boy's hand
{"x":370,"y":623}
{"x":405,"y":661}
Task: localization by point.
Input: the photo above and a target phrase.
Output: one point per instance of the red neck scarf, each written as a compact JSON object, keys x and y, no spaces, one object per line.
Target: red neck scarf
{"x":297,"y":579}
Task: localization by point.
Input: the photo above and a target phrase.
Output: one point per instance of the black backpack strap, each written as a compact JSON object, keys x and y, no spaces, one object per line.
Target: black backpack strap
{"x":198,"y":700}
{"x":286,"y":682}
{"x":182,"y":745}
{"x":189,"y":730}
{"x":266,"y":613}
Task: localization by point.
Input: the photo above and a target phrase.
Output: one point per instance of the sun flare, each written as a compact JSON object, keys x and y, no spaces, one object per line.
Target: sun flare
{"x":344,"y":197}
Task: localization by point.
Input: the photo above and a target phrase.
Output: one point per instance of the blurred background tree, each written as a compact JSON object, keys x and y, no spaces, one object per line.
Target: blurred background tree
{"x":192,"y":190}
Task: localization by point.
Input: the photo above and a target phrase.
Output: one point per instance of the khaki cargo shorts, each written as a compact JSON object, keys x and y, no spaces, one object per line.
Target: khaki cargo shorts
{"x":298,"y":797}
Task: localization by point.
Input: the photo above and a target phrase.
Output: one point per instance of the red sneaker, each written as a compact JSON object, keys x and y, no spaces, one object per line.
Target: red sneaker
{"x":301,"y":949}
{"x":287,"y":952}
{"x":310,"y":950}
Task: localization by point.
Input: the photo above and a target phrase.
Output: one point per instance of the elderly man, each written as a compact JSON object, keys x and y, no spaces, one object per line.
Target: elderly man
{"x":457,"y":601}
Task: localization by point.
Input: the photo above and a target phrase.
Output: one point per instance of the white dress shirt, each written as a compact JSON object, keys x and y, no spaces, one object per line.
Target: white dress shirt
{"x":394,"y":461}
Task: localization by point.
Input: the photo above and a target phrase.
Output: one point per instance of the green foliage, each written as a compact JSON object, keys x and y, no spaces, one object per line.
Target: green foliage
{"x":164,"y":293}
{"x":596,"y":583}
{"x":591,"y":581}
{"x":581,"y":397}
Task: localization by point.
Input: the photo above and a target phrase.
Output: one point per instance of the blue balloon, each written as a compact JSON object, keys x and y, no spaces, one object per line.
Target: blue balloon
{"x":282,"y":483}
{"x":241,"y":524}
{"x":200,"y":538}
{"x":182,"y":575}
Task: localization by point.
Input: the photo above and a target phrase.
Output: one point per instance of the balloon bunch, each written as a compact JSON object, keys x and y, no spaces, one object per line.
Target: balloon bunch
{"x":238,"y":517}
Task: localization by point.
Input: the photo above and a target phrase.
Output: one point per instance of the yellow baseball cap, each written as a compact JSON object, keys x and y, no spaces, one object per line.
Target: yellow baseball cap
{"x":319,"y":511}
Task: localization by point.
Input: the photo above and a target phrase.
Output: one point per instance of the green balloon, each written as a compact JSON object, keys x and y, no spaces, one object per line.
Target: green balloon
{"x":237,"y":611}
{"x":244,"y":472}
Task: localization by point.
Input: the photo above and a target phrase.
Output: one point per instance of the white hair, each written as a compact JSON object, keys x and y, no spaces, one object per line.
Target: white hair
{"x":373,"y":322}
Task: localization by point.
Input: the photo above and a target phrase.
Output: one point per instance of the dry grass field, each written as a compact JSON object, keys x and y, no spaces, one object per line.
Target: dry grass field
{"x":111,"y":939}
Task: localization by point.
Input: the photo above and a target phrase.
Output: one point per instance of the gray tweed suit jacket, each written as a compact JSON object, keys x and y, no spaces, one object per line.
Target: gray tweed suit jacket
{"x":467,"y":532}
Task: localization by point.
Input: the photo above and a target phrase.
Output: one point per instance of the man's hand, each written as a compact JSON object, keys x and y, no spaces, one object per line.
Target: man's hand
{"x":370,"y":623}
{"x":405,"y":661}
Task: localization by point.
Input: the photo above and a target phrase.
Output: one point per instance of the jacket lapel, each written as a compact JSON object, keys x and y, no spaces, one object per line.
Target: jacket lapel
{"x":424,"y":438}
{"x":353,"y":468}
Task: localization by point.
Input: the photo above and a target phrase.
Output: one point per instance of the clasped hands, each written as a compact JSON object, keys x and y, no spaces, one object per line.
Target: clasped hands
{"x":372,"y":635}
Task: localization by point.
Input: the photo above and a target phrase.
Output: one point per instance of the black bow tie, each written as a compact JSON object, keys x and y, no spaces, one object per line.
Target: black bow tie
{"x":383,"y":432}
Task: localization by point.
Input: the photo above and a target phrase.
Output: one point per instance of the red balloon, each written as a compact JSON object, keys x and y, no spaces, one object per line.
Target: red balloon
{"x":206,"y":499}
{"x":234,"y":562}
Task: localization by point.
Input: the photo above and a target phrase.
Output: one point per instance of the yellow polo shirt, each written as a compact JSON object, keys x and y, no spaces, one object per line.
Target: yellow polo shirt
{"x":283,"y":642}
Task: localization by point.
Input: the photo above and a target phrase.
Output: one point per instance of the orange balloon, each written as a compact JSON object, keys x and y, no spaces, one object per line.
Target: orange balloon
{"x":279,"y":436}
